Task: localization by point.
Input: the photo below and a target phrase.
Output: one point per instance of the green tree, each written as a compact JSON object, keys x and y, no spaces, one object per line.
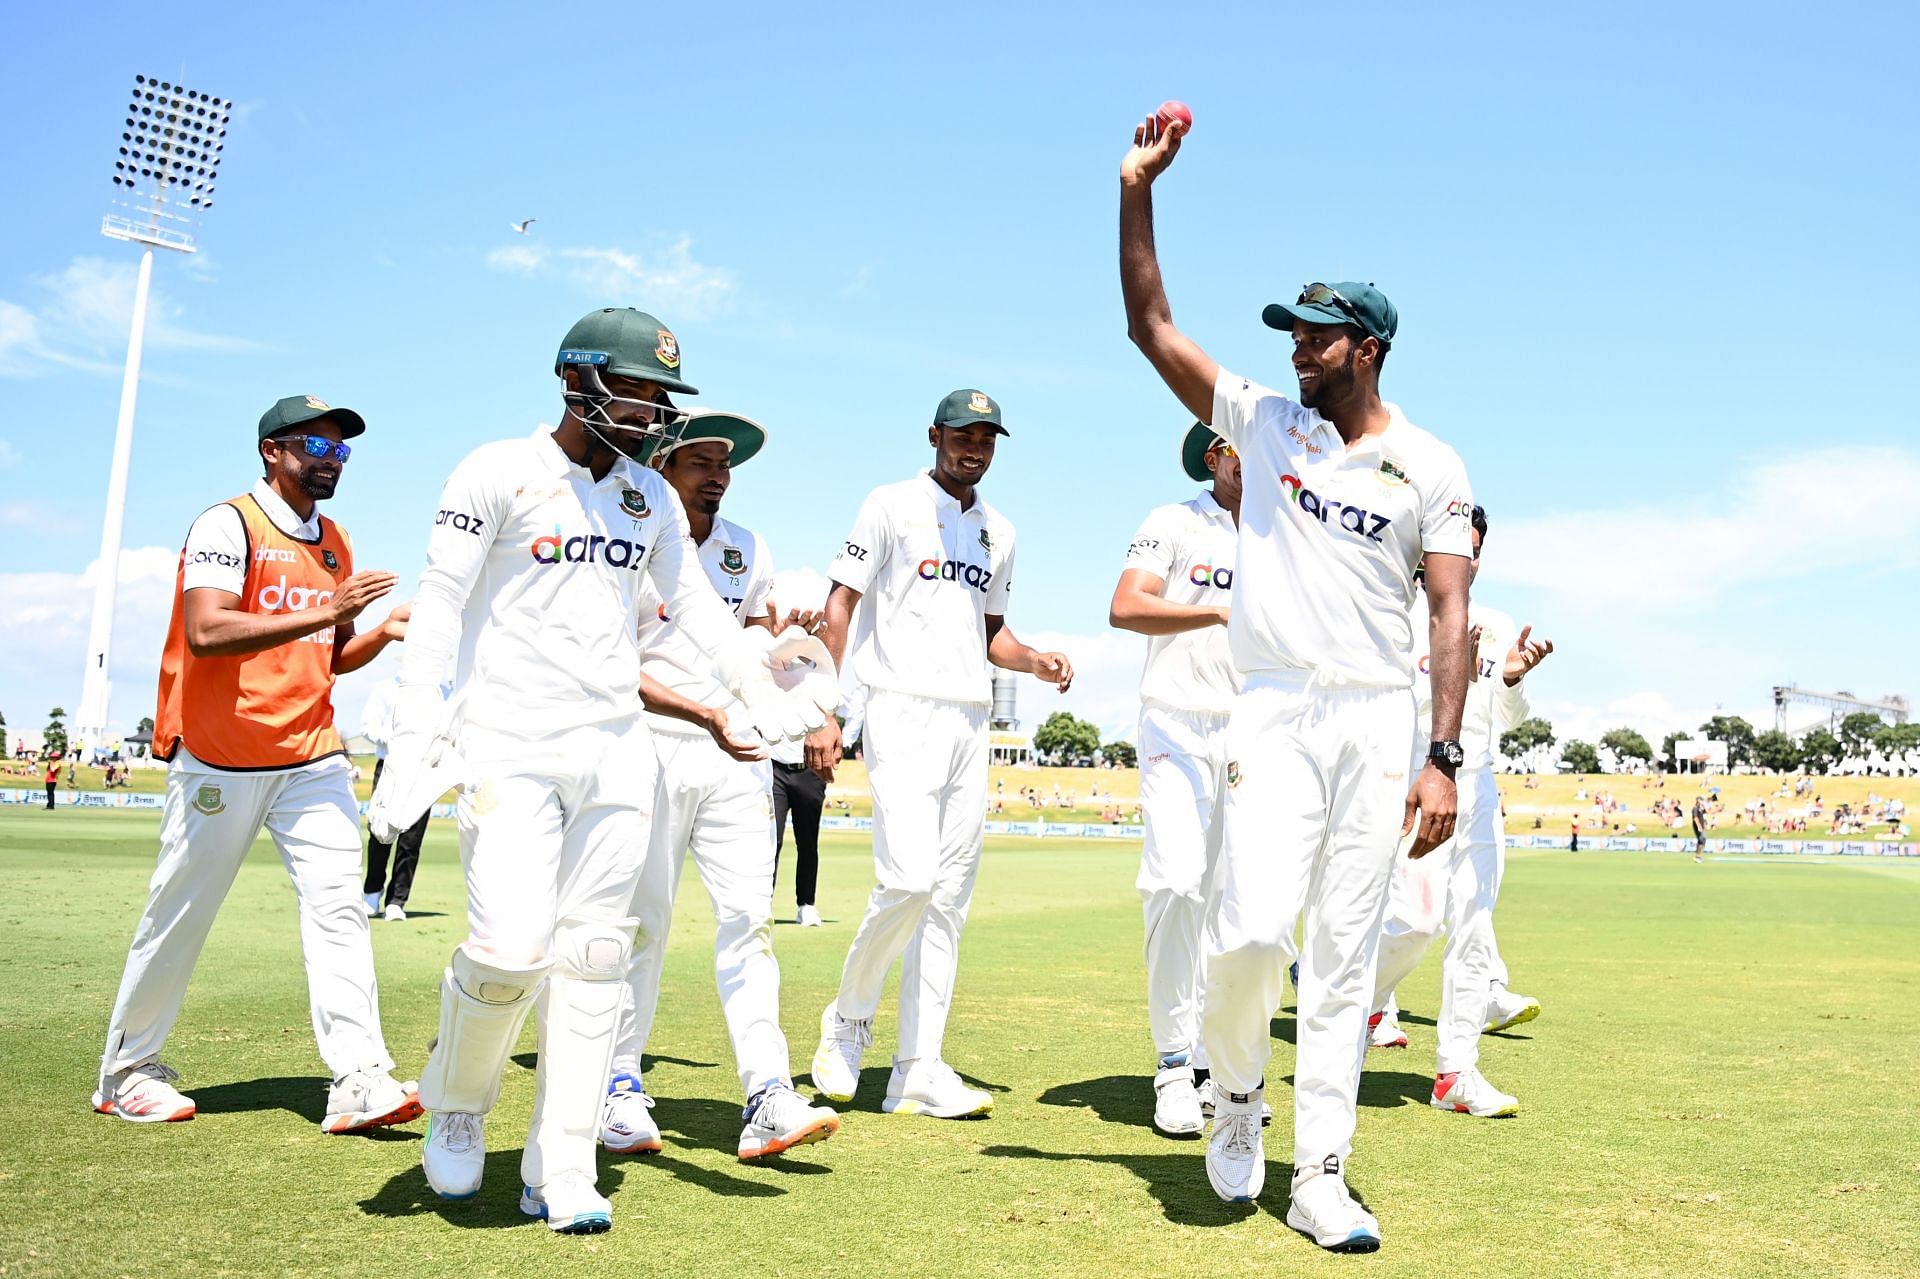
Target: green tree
{"x":1066,"y":740}
{"x":1121,"y":753}
{"x":1860,"y":732}
{"x":1735,"y":732}
{"x":1578,"y":757}
{"x":1774,"y":750}
{"x":1667,"y":761}
{"x":1526,"y":735}
{"x":146,"y":724}
{"x":1899,"y":738}
{"x":56,"y":733}
{"x":1820,"y":750}
{"x":1628,"y":744}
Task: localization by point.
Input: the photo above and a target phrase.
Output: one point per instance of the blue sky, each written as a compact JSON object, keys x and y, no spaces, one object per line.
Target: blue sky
{"x":1655,"y":269}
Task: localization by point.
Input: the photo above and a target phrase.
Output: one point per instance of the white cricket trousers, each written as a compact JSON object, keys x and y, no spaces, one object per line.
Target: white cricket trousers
{"x":927,"y":764}
{"x":720,"y":810}
{"x":1316,"y":791}
{"x":1455,"y":887}
{"x":1183,"y":770}
{"x":208,"y":822}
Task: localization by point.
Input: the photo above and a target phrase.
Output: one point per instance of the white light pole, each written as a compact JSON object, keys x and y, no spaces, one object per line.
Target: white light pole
{"x":169,"y":158}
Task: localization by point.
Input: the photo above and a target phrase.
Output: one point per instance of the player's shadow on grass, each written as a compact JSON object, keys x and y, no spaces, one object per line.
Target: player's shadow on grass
{"x":303,"y":1095}
{"x":407,"y":1194}
{"x":1177,"y":1179}
{"x":872,"y":1090}
{"x":527,"y":1061}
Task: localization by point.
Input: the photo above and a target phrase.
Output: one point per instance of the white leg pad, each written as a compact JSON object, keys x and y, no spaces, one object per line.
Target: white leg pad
{"x":579,"y":1020}
{"x":483,"y":1004}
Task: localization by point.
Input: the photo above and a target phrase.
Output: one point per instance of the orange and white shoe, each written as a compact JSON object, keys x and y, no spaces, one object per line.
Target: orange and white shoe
{"x":778,"y":1119}
{"x":144,"y":1094}
{"x":369,"y":1099}
{"x":1383,"y":1031}
{"x":1467,"y":1092}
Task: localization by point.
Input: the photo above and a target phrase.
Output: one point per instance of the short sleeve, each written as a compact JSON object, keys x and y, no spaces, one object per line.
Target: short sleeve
{"x":865,"y":549}
{"x":760,"y":586}
{"x":216,"y":552}
{"x":1446,"y":508}
{"x":1153,"y":547}
{"x":1000,"y":590}
{"x":1236,"y":407}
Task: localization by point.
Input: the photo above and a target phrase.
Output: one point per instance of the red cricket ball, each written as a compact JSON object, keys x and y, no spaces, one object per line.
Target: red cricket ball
{"x":1170,"y":111}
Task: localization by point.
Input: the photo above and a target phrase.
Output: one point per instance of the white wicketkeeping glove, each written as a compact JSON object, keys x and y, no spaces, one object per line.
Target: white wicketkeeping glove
{"x":787,"y":683}
{"x":421,"y":765}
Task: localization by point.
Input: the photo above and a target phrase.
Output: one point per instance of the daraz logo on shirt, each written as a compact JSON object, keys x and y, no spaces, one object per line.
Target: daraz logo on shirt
{"x":618,"y":552}
{"x":1209,"y":575}
{"x":1355,"y":519}
{"x":973,"y":575}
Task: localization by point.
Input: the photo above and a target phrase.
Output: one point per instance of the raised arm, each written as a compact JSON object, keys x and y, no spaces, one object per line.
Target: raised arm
{"x":1186,"y":369}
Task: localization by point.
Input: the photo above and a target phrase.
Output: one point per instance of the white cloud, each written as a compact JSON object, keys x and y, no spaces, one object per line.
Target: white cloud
{"x":82,"y":317}
{"x":669,"y":279}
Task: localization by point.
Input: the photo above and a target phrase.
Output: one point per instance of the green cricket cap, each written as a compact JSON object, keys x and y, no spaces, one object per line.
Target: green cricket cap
{"x":1348,"y":302}
{"x":745,"y":435}
{"x":296,"y":410}
{"x":968,"y":407}
{"x":630,"y":343}
{"x":1193,"y":451}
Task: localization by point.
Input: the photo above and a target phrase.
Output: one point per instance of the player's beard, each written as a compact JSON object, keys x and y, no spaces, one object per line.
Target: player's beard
{"x":318,"y":484}
{"x":1331,"y":386}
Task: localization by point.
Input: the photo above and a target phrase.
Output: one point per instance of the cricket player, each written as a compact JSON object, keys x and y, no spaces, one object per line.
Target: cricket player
{"x":535,"y":572}
{"x":1456,"y":885}
{"x":1341,"y":498}
{"x":264,"y":604}
{"x":719,"y":806}
{"x":934,"y":563}
{"x":1175,"y":590}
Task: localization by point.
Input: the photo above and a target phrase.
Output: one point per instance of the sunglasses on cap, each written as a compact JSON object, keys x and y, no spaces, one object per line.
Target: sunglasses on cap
{"x":316,"y":446}
{"x":1326,"y":295}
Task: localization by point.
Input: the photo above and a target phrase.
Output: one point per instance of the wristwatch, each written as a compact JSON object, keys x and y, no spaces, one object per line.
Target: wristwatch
{"x":1447,"y":754}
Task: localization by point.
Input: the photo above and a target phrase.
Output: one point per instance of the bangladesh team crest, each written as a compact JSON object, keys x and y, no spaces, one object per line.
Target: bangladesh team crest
{"x":668,"y":350}
{"x":1233,"y":773}
{"x":207,"y":802}
{"x":986,"y":541}
{"x":732,"y":561}
{"x":328,"y":558}
{"x":979,"y":403}
{"x":1390,"y":472}
{"x":634,"y":503}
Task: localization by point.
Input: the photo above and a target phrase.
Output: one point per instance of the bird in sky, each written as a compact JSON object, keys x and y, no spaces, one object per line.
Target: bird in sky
{"x":521,"y":227}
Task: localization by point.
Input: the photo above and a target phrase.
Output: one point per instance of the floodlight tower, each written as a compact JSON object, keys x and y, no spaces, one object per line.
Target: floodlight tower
{"x":169,"y":157}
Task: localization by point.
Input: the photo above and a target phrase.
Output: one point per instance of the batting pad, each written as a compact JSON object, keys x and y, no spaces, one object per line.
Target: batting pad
{"x":579,"y":1020}
{"x":483,"y":1004}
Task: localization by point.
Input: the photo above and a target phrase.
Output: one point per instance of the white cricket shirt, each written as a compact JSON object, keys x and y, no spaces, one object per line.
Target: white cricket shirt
{"x":930,"y":574}
{"x":1330,"y":536}
{"x":532,"y":590}
{"x":1189,"y":546}
{"x":1491,"y":707}
{"x":740,"y":570}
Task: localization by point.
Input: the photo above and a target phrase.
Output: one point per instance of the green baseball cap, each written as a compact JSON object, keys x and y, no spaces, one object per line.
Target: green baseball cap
{"x":296,"y":410}
{"x":968,"y":407}
{"x":745,"y":435}
{"x":627,"y":342}
{"x":1348,"y":302}
{"x":1193,"y":451}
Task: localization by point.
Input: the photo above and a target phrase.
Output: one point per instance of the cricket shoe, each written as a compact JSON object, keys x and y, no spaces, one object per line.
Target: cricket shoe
{"x":455,"y":1154}
{"x":1176,"y":1099}
{"x":369,"y":1099}
{"x":395,"y":913}
{"x":1237,"y":1154}
{"x":371,"y":902}
{"x":1506,"y":1010}
{"x":1205,"y":1091}
{"x":144,"y":1095}
{"x":1467,"y":1092}
{"x":1383,"y":1031}
{"x":778,"y":1119}
{"x":626,"y":1118}
{"x":809,"y":917}
{"x":931,"y":1087}
{"x":569,"y":1205}
{"x":1325,"y":1211}
{"x":836,"y":1062}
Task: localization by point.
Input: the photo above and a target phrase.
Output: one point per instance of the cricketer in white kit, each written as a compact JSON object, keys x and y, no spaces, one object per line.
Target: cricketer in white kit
{"x":715,"y":802}
{"x":1456,"y":885}
{"x":1341,"y":498}
{"x":934,"y":563}
{"x":536,"y":569}
{"x":1175,"y":589}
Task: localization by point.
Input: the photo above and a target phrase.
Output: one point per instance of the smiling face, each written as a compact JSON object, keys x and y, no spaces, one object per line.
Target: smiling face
{"x":1330,"y":360}
{"x":289,"y":467}
{"x":962,"y":454}
{"x":700,"y":474}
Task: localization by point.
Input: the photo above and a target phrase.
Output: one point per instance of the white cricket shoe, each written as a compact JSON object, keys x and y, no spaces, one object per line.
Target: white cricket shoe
{"x":1467,"y":1092}
{"x":372,"y":904}
{"x":1237,"y":1154}
{"x":144,"y":1094}
{"x":626,"y":1118}
{"x":836,"y":1062}
{"x":1383,"y":1031}
{"x":569,"y":1205}
{"x":369,"y":1099}
{"x":1176,"y":1100}
{"x":931,"y":1087}
{"x":810,"y":917}
{"x":1324,"y":1210}
{"x":396,"y":914}
{"x":1205,"y":1091}
{"x":1506,"y":1010}
{"x":455,"y":1153}
{"x":778,"y":1119}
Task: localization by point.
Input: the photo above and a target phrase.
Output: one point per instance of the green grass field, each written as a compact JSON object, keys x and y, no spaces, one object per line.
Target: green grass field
{"x":1722,"y":1084}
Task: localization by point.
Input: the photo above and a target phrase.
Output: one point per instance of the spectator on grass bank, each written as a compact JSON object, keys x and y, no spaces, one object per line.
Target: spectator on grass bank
{"x":53,"y":778}
{"x":1574,"y":847}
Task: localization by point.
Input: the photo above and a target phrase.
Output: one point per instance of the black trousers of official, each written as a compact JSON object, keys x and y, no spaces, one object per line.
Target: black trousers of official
{"x":803,"y":793}
{"x":50,"y":789}
{"x":404,"y":862}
